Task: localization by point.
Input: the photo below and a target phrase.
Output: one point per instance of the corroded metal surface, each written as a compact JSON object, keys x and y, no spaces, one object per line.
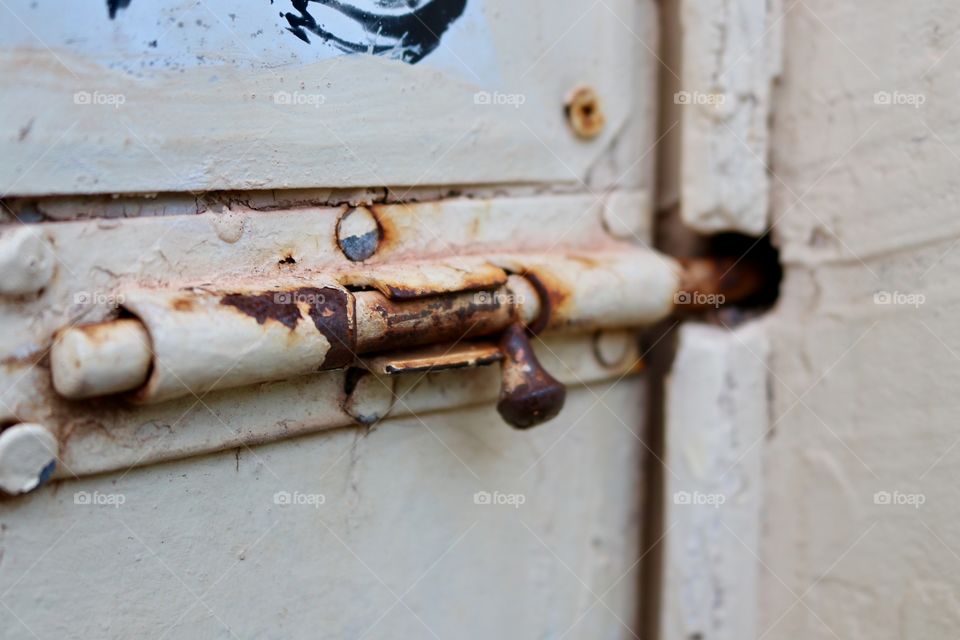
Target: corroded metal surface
{"x":407,"y":280}
{"x":484,"y":250}
{"x":108,"y":435}
{"x":204,"y":338}
{"x":188,"y":338}
{"x":358,"y":234}
{"x":584,"y":112}
{"x":713,"y":282}
{"x":529,"y":395}
{"x":383,"y":323}
{"x":440,"y":357}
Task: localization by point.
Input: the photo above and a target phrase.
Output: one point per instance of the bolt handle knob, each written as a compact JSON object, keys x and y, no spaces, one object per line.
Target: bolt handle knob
{"x":528,"y":394}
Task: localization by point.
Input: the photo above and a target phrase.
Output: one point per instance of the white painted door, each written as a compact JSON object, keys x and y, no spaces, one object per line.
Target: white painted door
{"x":210,"y":145}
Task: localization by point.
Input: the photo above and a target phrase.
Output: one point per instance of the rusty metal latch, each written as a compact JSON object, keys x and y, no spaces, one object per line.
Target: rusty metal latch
{"x":169,"y":343}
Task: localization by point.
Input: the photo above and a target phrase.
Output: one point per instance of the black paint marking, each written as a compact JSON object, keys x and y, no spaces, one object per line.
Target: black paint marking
{"x":410,"y":33}
{"x":115,"y":5}
{"x":409,"y":36}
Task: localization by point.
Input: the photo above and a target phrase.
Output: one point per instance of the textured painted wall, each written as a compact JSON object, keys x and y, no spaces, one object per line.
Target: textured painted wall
{"x":860,"y":534}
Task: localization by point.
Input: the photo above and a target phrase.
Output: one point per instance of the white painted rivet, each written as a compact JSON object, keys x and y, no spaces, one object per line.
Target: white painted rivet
{"x":358,"y":234}
{"x":99,"y":359}
{"x":612,"y":348}
{"x":369,"y":396}
{"x":228,"y":225}
{"x":28,"y":455}
{"x":26,"y":261}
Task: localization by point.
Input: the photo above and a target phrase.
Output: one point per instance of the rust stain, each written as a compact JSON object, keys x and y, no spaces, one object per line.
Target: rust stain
{"x":409,"y":323}
{"x":711,"y":282}
{"x":638,"y":366}
{"x":584,"y":112}
{"x":406,"y":293}
{"x":330,"y":309}
{"x":272,"y":305}
{"x":438,"y":357}
{"x":411,"y":281}
{"x":586,"y":261}
{"x":351,"y":380}
{"x":739,"y":283}
{"x":552,"y":300}
{"x":98,"y":333}
{"x":389,"y":234}
{"x":440,"y":311}
{"x":435,"y":367}
{"x":332,"y":313}
{"x":182,"y":304}
{"x":481,"y":281}
{"x":34,"y":357}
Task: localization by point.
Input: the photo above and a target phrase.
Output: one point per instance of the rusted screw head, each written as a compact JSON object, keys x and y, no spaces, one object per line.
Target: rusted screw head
{"x":585,"y":112}
{"x":358,"y":234}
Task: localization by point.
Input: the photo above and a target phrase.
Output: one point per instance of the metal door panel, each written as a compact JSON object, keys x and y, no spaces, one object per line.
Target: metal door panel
{"x":238,"y":540}
{"x":215,"y":105}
